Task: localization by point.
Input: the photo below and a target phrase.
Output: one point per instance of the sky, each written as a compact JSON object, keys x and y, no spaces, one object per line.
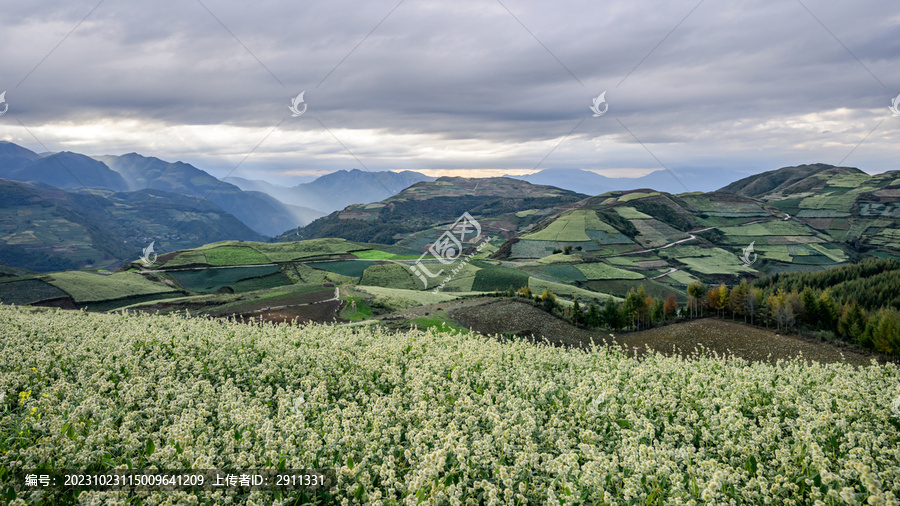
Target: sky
{"x":468,"y":87}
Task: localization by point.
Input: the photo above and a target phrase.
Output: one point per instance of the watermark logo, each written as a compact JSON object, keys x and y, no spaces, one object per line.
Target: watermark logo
{"x":895,"y":107}
{"x":448,"y":248}
{"x":296,"y":102}
{"x":895,"y":407}
{"x":745,"y":258}
{"x":148,"y":251}
{"x":4,"y":103}
{"x":600,"y":101}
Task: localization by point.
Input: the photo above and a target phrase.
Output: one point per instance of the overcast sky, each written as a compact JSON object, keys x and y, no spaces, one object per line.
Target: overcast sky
{"x":474,"y":86}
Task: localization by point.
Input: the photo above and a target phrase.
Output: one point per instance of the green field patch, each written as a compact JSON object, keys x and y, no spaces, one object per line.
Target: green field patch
{"x":568,"y":227}
{"x":189,"y":257}
{"x":560,"y":258}
{"x":636,"y":195}
{"x":351,"y":268}
{"x":355,"y":309}
{"x":715,"y":261}
{"x":600,"y":270}
{"x":303,"y":273}
{"x":28,"y":291}
{"x":768,"y":228}
{"x":312,"y":248}
{"x":779,"y":253}
{"x":525,"y":248}
{"x":834,"y":254}
{"x":462,"y":281}
{"x":492,"y":277}
{"x":821,"y":213}
{"x":271,"y":281}
{"x":630,"y":213}
{"x":538,"y":286}
{"x":86,"y":286}
{"x":682,"y":277}
{"x":234,"y":255}
{"x":624,"y":261}
{"x":834,"y":202}
{"x":739,"y":215}
{"x":527,"y":212}
{"x":654,"y":233}
{"x":392,"y":275}
{"x":374,"y":254}
{"x":700,"y":202}
{"x":398,"y":298}
{"x":439,"y":321}
{"x":211,"y":280}
{"x":562,"y":273}
{"x":849,"y":180}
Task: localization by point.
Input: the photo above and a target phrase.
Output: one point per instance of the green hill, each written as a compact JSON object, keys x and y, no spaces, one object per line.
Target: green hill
{"x":47,"y":229}
{"x":418,"y":215}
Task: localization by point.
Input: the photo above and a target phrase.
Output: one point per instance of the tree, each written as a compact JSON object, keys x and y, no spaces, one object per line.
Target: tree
{"x":577,"y":315}
{"x":670,"y":306}
{"x":633,"y":303}
{"x":827,"y":311}
{"x":718,"y":298}
{"x":738,"y":298}
{"x":592,"y":319}
{"x":696,"y":290}
{"x":657,"y":312}
{"x":781,"y":309}
{"x":752,"y":303}
{"x":852,"y":323}
{"x":549,"y":300}
{"x":609,"y":316}
{"x":810,"y":307}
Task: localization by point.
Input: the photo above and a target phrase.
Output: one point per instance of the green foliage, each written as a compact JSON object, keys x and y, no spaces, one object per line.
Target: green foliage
{"x":374,"y":254}
{"x":86,"y":286}
{"x":873,"y":283}
{"x":28,"y":291}
{"x":211,"y":280}
{"x":391,"y":275}
{"x":492,"y":277}
{"x":350,"y":268}
{"x":234,"y":255}
{"x":600,"y":270}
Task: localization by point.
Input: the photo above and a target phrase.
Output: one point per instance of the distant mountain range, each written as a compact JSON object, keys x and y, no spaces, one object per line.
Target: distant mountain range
{"x":131,"y":172}
{"x":337,"y":190}
{"x":47,"y":229}
{"x":589,"y":182}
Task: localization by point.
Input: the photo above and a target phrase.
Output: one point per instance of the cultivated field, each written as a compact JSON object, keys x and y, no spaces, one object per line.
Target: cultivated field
{"x":437,"y":418}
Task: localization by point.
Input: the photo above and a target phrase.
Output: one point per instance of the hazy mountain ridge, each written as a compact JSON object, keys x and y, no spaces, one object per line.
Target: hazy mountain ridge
{"x":44,"y":228}
{"x":65,"y":170}
{"x":259,"y":211}
{"x":338,"y":189}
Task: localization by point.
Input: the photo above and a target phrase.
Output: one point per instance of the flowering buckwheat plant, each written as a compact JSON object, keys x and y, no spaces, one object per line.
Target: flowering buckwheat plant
{"x":436,"y":418}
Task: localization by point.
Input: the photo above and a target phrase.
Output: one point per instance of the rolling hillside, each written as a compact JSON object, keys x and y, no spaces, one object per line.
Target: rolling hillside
{"x":44,"y":228}
{"x":259,"y":211}
{"x":849,"y":206}
{"x":418,"y":215}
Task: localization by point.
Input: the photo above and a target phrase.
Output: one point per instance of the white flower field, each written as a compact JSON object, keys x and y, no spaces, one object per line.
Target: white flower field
{"x":432,"y":418}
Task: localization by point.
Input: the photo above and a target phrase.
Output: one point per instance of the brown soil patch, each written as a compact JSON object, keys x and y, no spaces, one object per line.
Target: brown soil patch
{"x":731,"y":338}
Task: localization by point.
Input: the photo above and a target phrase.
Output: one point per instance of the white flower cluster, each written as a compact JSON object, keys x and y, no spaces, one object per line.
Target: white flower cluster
{"x":436,"y":418}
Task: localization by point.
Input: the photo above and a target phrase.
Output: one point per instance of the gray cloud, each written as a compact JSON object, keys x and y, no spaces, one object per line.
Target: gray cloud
{"x":439,"y":85}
